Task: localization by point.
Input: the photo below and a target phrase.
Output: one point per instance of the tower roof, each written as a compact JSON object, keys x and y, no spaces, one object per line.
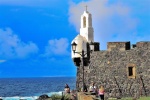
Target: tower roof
{"x":79,"y":38}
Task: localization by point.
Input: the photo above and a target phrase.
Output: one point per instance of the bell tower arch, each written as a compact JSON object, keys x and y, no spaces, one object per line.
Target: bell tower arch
{"x":86,"y":29}
{"x":84,"y":22}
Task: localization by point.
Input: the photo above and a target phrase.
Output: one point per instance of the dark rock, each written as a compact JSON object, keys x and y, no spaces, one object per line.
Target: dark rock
{"x":43,"y":97}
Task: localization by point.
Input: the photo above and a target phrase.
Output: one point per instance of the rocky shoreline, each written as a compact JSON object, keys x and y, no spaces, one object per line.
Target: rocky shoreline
{"x":65,"y":96}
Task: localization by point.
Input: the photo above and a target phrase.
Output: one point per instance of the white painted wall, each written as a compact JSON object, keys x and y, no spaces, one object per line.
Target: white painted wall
{"x":86,"y":35}
{"x":87,"y":31}
{"x":81,"y":44}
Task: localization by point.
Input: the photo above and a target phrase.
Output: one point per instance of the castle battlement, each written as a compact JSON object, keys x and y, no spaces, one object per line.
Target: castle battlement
{"x":122,"y":46}
{"x":118,"y":46}
{"x":143,"y":44}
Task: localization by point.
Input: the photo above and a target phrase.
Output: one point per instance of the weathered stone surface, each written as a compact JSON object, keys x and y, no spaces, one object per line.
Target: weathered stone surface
{"x":110,"y":69}
{"x":83,"y":96}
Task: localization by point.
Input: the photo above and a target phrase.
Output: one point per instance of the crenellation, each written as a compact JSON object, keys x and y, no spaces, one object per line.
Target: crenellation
{"x":122,"y":46}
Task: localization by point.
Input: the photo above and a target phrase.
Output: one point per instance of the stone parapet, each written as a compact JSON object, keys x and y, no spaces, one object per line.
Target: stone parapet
{"x":118,"y":46}
{"x":143,"y":44}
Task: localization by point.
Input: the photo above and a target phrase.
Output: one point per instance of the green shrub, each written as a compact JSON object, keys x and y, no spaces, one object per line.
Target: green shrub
{"x":56,"y":97}
{"x":130,"y":98}
{"x":67,"y":97}
{"x":144,"y":98}
{"x":59,"y":97}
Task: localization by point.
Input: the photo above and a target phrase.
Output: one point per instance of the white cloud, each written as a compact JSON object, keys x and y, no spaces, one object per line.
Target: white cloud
{"x":57,"y":47}
{"x":2,"y":61}
{"x":12,"y":47}
{"x":111,"y":21}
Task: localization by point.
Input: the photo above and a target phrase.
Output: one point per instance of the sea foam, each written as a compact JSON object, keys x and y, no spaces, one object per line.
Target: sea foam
{"x":30,"y":97}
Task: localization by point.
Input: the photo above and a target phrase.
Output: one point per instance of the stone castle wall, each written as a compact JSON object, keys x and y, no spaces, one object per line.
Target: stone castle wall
{"x":110,"y":68}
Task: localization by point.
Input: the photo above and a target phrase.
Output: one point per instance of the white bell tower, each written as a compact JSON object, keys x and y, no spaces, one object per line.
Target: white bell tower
{"x":86,"y":29}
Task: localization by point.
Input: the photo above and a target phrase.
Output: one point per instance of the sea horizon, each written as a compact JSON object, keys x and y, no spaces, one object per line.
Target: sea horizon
{"x":39,"y":77}
{"x":34,"y":86}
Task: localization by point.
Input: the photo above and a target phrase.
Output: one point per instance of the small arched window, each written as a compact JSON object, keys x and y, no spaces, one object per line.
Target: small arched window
{"x":84,"y":22}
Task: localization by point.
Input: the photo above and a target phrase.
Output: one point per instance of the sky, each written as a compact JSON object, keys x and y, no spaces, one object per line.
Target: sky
{"x":36,"y":35}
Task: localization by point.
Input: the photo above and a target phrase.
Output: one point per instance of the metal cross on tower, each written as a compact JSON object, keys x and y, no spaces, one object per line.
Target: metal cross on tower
{"x":86,"y":8}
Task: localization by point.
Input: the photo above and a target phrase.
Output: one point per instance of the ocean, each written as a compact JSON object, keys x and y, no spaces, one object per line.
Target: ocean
{"x":32,"y":88}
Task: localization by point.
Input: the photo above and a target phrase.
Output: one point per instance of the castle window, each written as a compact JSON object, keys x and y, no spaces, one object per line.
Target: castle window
{"x":84,"y":22}
{"x":131,"y":71}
